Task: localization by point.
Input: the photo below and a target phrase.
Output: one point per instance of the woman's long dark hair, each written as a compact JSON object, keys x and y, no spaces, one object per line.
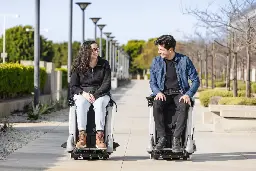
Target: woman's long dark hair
{"x":81,"y":63}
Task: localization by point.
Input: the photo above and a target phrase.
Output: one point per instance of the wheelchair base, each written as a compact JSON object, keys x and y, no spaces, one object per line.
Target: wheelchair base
{"x":168,"y":154}
{"x":90,"y":154}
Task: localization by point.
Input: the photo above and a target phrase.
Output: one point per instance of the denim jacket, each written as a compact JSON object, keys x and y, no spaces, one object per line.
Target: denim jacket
{"x":185,"y":70}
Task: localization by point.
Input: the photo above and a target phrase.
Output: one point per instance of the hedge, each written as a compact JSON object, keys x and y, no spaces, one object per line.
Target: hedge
{"x":205,"y":96}
{"x":64,"y":77}
{"x":18,"y":80}
{"x":237,"y":101}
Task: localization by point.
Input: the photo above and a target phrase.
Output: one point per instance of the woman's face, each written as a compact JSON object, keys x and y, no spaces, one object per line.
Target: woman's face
{"x":95,"y":51}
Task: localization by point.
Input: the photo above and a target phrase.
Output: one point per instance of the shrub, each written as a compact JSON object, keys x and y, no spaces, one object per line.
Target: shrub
{"x":18,"y":80}
{"x":237,"y":101}
{"x":205,"y":96}
{"x":220,"y":84}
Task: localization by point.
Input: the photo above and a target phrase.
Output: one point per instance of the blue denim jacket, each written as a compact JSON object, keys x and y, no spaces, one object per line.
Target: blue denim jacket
{"x":185,"y":70}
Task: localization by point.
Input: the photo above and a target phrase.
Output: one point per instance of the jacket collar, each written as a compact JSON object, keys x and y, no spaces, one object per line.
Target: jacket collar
{"x":100,"y":61}
{"x":176,"y":57}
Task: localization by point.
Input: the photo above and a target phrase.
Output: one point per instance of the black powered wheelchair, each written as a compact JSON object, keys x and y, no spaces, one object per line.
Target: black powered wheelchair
{"x":188,"y":142}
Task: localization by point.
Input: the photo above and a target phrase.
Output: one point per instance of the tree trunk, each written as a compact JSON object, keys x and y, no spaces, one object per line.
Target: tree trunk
{"x":224,"y":76}
{"x":201,"y":70}
{"x":234,"y":66}
{"x":213,"y":55}
{"x":242,"y":72}
{"x":235,"y":76}
{"x":248,"y":62}
{"x":228,"y":71}
{"x":206,"y":67}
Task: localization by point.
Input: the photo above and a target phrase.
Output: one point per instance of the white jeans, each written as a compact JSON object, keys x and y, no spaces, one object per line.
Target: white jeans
{"x":82,"y":108}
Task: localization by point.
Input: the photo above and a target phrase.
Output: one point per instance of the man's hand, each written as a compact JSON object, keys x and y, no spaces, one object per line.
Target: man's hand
{"x":160,"y":96}
{"x":88,"y":97}
{"x":186,"y":99}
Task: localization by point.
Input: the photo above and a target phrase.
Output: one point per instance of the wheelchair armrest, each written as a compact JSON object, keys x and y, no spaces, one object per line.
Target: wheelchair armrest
{"x":192,"y":102}
{"x":150,"y":100}
{"x":71,"y":102}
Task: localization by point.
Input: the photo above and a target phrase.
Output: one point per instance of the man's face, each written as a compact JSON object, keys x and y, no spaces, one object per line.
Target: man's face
{"x":163,"y":52}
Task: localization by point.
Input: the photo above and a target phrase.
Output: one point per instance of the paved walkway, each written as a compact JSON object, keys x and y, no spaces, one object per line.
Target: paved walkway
{"x":216,"y":152}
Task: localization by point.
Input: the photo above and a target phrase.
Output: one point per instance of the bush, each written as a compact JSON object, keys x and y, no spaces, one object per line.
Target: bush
{"x":237,"y":101}
{"x":18,"y":80}
{"x":253,"y":87}
{"x":64,"y":77}
{"x":205,"y":96}
{"x":220,"y":84}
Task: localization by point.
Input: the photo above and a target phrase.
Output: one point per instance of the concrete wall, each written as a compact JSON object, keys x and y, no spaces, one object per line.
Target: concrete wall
{"x":13,"y":105}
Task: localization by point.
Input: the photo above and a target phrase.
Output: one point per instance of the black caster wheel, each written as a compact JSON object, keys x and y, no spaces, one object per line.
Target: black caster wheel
{"x":86,"y":158}
{"x":105,"y":158}
{"x":175,"y":158}
{"x":156,"y":157}
{"x":185,"y":158}
{"x":75,"y":158}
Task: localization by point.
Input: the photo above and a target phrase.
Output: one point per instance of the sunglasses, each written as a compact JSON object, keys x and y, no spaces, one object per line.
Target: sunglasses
{"x":95,"y":49}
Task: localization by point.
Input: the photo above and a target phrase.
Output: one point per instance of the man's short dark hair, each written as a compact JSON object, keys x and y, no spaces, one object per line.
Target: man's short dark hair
{"x":167,"y":41}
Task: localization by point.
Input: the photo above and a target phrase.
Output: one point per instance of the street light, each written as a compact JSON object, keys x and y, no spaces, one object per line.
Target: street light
{"x":114,"y":54}
{"x":4,"y":54}
{"x":36,"y":53}
{"x":117,"y":58}
{"x":83,"y":6}
{"x":110,"y":51}
{"x":95,"y":20}
{"x":70,"y":30}
{"x":107,"y":34}
{"x":101,"y":26}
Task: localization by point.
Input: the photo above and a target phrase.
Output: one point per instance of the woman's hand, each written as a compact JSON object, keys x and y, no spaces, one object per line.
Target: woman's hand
{"x":88,"y":97}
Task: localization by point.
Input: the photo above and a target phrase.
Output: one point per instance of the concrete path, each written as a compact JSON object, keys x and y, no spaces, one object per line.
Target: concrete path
{"x":216,"y":152}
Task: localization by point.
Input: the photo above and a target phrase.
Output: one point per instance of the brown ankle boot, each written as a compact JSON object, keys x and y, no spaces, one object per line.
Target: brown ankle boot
{"x":100,"y":140}
{"x":82,"y":140}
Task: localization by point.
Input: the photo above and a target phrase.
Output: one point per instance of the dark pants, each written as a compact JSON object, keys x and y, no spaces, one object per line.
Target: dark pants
{"x":180,"y":111}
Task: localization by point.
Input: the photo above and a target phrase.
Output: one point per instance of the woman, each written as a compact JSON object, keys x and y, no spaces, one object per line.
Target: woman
{"x":90,"y":85}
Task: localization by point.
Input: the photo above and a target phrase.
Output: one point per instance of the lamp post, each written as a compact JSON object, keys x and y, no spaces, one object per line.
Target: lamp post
{"x":4,"y":54}
{"x":116,"y":51}
{"x":114,"y":55}
{"x":101,"y":26}
{"x":70,"y":30}
{"x":107,"y":34}
{"x":110,"y":51}
{"x":36,"y":53}
{"x":95,"y":21}
{"x":83,"y":6}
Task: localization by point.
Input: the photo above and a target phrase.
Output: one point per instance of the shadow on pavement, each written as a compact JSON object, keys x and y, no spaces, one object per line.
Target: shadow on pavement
{"x":223,"y":156}
{"x":128,"y":158}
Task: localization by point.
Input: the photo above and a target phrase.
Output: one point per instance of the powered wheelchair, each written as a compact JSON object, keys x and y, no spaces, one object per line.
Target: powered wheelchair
{"x":188,"y":142}
{"x":91,"y":152}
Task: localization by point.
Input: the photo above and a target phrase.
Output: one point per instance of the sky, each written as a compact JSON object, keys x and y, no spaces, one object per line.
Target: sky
{"x":126,"y":19}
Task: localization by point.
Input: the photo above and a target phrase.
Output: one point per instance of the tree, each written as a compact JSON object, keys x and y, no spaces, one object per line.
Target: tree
{"x":61,"y":52}
{"x":134,"y":48}
{"x":235,"y":21}
{"x":149,"y":51}
{"x":20,"y":45}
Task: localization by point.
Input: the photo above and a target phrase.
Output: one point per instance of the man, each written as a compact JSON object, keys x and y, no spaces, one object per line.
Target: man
{"x":169,"y":74}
